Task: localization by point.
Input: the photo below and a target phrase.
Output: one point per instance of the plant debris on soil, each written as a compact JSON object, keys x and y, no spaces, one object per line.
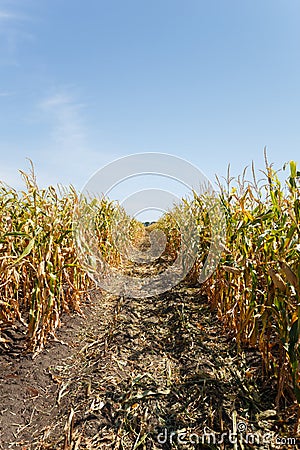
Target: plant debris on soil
{"x":150,"y":373}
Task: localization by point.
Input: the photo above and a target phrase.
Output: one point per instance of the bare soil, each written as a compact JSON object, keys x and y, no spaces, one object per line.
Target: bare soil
{"x":129,"y":372}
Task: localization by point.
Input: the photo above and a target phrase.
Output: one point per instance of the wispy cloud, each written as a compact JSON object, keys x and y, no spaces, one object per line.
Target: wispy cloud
{"x":12,"y":33}
{"x":8,"y":15}
{"x":62,"y":149}
{"x":68,"y":128}
{"x":69,"y":156}
{"x":5,"y":94}
{"x":5,"y":15}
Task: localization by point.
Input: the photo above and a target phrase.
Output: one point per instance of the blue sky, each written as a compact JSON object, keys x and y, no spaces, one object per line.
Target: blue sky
{"x":85,"y":82}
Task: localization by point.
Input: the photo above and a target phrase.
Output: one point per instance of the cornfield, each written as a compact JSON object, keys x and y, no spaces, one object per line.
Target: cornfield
{"x":255,"y":288}
{"x":40,"y":274}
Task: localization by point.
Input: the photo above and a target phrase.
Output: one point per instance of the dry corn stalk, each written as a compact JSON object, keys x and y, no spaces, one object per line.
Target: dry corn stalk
{"x":277,"y":280}
{"x":290,"y":274}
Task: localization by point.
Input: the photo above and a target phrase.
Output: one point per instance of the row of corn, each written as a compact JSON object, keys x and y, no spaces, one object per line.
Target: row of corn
{"x":40,"y":273}
{"x":255,"y":286}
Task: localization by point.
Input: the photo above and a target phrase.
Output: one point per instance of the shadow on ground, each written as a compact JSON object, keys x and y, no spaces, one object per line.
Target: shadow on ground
{"x":135,"y":374}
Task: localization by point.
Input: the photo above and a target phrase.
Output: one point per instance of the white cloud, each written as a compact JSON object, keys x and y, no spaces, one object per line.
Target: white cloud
{"x":12,"y":33}
{"x":57,"y":99}
{"x":6,"y":15}
{"x":62,"y":150}
{"x":9,"y":15}
{"x":5,"y":94}
{"x":68,"y":156}
{"x":68,"y":129}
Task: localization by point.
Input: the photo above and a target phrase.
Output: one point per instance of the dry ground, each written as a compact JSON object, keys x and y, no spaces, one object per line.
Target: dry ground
{"x":133,"y":371}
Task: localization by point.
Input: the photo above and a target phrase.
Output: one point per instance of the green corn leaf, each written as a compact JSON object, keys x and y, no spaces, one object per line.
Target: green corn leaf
{"x":16,"y":233}
{"x":26,"y":251}
{"x":294,"y":333}
{"x":293,"y":169}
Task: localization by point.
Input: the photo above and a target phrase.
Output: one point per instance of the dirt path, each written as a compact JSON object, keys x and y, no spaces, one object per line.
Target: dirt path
{"x":134,"y":372}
